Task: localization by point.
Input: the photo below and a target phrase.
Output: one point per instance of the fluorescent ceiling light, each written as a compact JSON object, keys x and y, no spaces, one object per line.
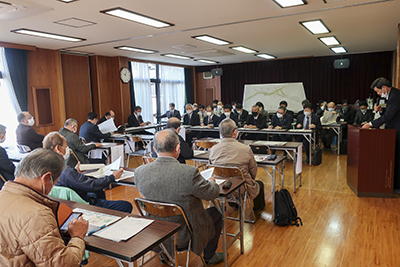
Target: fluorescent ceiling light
{"x":315,"y":26}
{"x":206,"y":61}
{"x":135,"y":49}
{"x":176,"y":56}
{"x":243,"y":49}
{"x":289,"y":3}
{"x":329,"y":40}
{"x":210,"y":39}
{"x":48,"y":35}
{"x":339,"y":49}
{"x":67,"y":1}
{"x":136,"y":17}
{"x":266,"y":56}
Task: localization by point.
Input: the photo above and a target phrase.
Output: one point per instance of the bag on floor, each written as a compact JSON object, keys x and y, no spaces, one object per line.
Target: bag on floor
{"x":285,"y":211}
{"x":317,"y":156}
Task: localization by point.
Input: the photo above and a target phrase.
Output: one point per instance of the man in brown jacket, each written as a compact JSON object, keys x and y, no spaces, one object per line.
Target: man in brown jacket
{"x":230,"y":152}
{"x":29,"y":233}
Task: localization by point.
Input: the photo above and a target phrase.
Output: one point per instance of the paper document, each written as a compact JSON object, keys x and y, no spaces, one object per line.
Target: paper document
{"x":125,"y":175}
{"x":300,"y":130}
{"x":107,"y":170}
{"x":107,"y":126}
{"x":117,"y":135}
{"x":198,"y":152}
{"x":207,"y":174}
{"x":124,"y":229}
{"x":85,"y":167}
{"x":268,"y":143}
{"x":216,"y":140}
{"x":96,"y":219}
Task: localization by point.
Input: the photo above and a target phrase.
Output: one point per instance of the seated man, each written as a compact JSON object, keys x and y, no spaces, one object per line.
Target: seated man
{"x":186,"y":151}
{"x":210,"y":120}
{"x":281,"y":120}
{"x":306,"y":121}
{"x":202,"y":112}
{"x":329,"y":116}
{"x":26,"y":135}
{"x":135,"y":119}
{"x":75,"y":143}
{"x":166,"y":180}
{"x":191,"y":118}
{"x":255,"y":120}
{"x":172,"y":112}
{"x":219,"y":109}
{"x":262,"y":111}
{"x":7,"y":168}
{"x":242,"y":114}
{"x":229,"y":114}
{"x":364,"y":115}
{"x":303,"y":103}
{"x":322,"y":105}
{"x":230,"y":152}
{"x":29,"y":233}
{"x":283,"y":103}
{"x":89,"y":189}
{"x":90,"y":131}
{"x":346,"y":116}
{"x":109,"y":114}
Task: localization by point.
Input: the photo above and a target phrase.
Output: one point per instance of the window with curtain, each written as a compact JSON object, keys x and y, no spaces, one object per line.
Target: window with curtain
{"x":142,"y":89}
{"x":8,"y":102}
{"x":172,"y":88}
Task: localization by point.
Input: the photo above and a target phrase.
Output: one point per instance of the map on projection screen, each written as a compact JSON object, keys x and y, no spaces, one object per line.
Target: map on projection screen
{"x":271,"y":94}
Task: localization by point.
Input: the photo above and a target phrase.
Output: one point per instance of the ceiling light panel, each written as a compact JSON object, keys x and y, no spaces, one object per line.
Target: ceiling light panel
{"x":211,"y":39}
{"x":315,"y":26}
{"x":136,"y":17}
{"x":176,"y":56}
{"x":339,"y":50}
{"x":48,"y":35}
{"x":136,"y":49}
{"x":206,"y":61}
{"x":329,"y":40}
{"x":67,"y":1}
{"x":289,"y":3}
{"x":244,"y":49}
{"x":265,"y":56}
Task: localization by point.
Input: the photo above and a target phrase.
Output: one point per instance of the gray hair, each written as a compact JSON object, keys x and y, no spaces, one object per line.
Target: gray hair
{"x":39,"y":162}
{"x":227,"y":127}
{"x":70,"y":122}
{"x":53,"y":139}
{"x":379,"y":82}
{"x":174,"y":123}
{"x":189,"y":105}
{"x":2,"y":129}
{"x":165,"y":141}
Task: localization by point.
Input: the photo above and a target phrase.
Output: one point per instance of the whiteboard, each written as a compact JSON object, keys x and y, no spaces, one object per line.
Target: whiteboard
{"x":271,"y":94}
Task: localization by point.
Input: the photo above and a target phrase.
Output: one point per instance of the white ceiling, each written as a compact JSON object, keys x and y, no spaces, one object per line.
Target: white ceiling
{"x":360,"y":25}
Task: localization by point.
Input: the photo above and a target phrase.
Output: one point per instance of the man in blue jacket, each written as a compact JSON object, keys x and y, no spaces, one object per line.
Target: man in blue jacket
{"x":90,"y":131}
{"x":89,"y":189}
{"x":7,"y":168}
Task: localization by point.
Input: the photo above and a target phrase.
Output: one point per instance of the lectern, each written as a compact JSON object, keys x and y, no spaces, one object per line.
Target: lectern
{"x":370,"y":161}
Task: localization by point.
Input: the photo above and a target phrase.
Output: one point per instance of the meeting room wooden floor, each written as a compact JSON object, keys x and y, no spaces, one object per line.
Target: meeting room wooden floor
{"x":340,"y":229}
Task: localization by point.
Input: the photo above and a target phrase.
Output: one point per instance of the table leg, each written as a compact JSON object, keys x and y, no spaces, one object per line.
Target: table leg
{"x":310,"y":151}
{"x":224,"y":231}
{"x":241,"y":220}
{"x":175,"y":253}
{"x":294,"y":169}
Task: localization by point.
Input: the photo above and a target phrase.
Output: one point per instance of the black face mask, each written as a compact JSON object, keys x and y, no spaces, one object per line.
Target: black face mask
{"x":255,"y":114}
{"x":215,"y":106}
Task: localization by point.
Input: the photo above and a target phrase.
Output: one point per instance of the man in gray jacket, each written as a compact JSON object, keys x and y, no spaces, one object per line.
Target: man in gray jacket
{"x":75,"y":143}
{"x":166,"y":180}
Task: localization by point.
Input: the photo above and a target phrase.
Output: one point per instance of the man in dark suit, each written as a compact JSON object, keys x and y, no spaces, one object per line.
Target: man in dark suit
{"x":285,"y":104}
{"x":183,"y":185}
{"x":346,"y":116}
{"x":229,"y":114}
{"x":109,"y":114}
{"x":281,"y":120}
{"x":391,"y":119}
{"x":186,"y":151}
{"x":255,"y":120}
{"x":90,"y":131}
{"x":172,"y":112}
{"x":242,"y":114}
{"x":305,"y":101}
{"x":210,"y":120}
{"x":7,"y":168}
{"x":262,"y":111}
{"x":307,"y":120}
{"x":26,"y":135}
{"x":136,"y":120}
{"x":191,"y":118}
{"x":364,"y":115}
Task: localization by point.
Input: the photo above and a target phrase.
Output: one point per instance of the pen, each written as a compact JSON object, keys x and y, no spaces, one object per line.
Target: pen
{"x":95,"y":230}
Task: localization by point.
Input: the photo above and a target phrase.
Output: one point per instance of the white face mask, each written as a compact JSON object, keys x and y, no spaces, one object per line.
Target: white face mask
{"x":279,"y":115}
{"x":139,"y":114}
{"x":233,"y":107}
{"x":331,"y":109}
{"x":171,"y":108}
{"x":307,"y":113}
{"x":363,"y":111}
{"x":67,"y":153}
{"x":189,"y":111}
{"x":3,"y":139}
{"x":322,"y":107}
{"x":219,"y":107}
{"x":209,"y":113}
{"x":31,"y":122}
{"x":227,"y":114}
{"x":44,"y":187}
{"x":384,"y":95}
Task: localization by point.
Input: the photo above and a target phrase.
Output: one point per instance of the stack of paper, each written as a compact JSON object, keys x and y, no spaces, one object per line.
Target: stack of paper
{"x":109,"y":169}
{"x":198,"y":152}
{"x":124,"y":229}
{"x":207,"y":174}
{"x":96,"y":220}
{"x":107,"y":126}
{"x":86,"y":167}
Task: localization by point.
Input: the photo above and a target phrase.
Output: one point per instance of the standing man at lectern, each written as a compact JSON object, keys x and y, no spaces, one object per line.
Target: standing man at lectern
{"x":391,"y":119}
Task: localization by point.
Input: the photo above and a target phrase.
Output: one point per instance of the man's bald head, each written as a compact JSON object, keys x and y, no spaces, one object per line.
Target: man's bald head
{"x":173,"y":123}
{"x":166,"y":141}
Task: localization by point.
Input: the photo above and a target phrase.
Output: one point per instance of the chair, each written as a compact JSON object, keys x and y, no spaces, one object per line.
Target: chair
{"x":229,"y":172}
{"x":147,"y":160}
{"x":204,"y":145}
{"x":24,"y":148}
{"x":165,"y":210}
{"x":132,"y":151}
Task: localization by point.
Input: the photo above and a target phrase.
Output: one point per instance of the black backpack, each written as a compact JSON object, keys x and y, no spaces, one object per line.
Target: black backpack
{"x":285,"y":211}
{"x":316,"y":156}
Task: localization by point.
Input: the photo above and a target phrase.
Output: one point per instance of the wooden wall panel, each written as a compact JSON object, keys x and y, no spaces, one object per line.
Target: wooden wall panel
{"x":77,"y":93}
{"x":44,"y":70}
{"x":202,"y":95}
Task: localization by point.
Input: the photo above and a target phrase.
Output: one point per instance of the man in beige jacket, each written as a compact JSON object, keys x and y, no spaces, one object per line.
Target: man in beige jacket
{"x":230,"y":152}
{"x":29,"y":233}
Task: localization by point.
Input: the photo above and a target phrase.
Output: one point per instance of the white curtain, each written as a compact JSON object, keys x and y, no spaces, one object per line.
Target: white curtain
{"x":172,"y":88}
{"x":142,"y":89}
{"x":9,"y":106}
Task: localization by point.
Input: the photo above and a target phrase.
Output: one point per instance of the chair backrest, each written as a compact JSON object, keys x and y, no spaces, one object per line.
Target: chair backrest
{"x":160,"y":209}
{"x":204,"y":144}
{"x":226,"y":172}
{"x":23,"y":148}
{"x":147,"y":160}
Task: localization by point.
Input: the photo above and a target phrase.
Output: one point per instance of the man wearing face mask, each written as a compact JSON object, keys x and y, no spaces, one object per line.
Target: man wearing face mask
{"x":364,"y":115}
{"x":29,"y":233}
{"x":172,"y":112}
{"x":255,"y":120}
{"x":306,"y":121}
{"x":89,"y":189}
{"x":7,"y":168}
{"x":26,"y":135}
{"x":136,"y":120}
{"x":391,"y":119}
{"x":281,"y":120}
{"x":330,"y":116}
{"x":321,"y":108}
{"x":90,"y":131}
{"x":242,"y":115}
{"x":190,"y":118}
{"x":229,"y":114}
{"x":210,"y":120}
{"x":219,"y":109}
{"x":76,"y":144}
